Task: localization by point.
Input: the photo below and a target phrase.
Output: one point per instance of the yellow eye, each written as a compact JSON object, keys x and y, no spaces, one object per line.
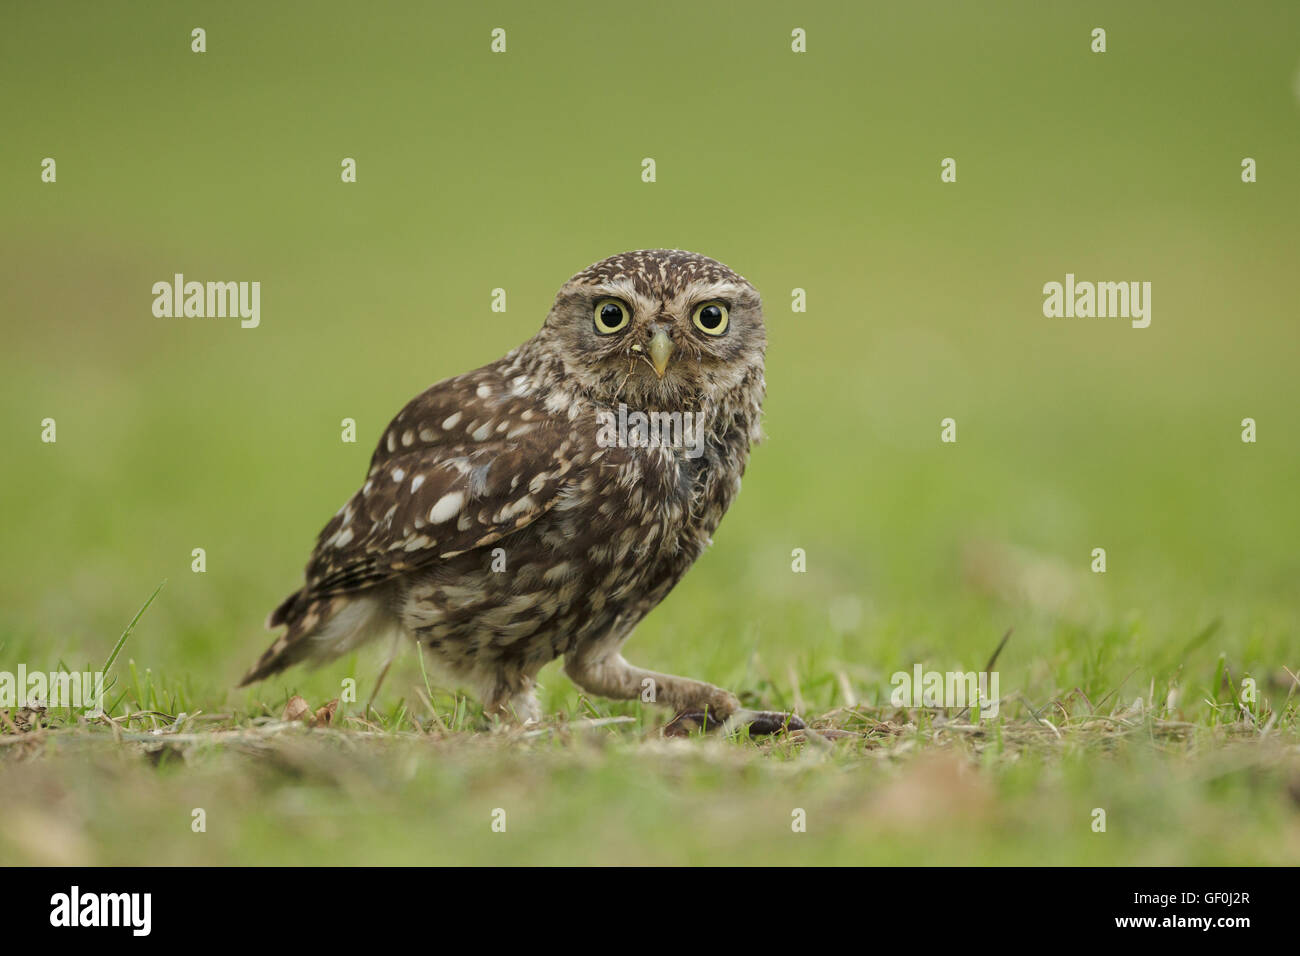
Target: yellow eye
{"x":710,"y":318}
{"x":611,"y":315}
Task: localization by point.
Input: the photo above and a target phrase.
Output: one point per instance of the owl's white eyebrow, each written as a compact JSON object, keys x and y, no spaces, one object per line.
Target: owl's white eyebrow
{"x":716,"y":290}
{"x":623,"y":288}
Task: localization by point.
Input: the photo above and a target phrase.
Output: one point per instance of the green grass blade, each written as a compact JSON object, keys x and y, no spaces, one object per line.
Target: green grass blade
{"x":117,"y":649}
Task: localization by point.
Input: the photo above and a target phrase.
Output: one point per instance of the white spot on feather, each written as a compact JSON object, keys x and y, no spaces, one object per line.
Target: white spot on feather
{"x":446,"y":507}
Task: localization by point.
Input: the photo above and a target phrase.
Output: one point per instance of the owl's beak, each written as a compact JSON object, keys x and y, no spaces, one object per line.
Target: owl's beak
{"x":661,"y":349}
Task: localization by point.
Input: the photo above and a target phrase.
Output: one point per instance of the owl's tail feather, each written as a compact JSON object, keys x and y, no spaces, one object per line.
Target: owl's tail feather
{"x":303,"y":615}
{"x":285,"y":611}
{"x":320,"y":629}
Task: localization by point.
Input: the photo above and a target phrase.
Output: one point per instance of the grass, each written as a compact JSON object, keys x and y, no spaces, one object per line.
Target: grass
{"x":1184,"y":771}
{"x":888,"y":788}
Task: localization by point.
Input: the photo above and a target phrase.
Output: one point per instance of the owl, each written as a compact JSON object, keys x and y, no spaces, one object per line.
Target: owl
{"x":540,"y":506}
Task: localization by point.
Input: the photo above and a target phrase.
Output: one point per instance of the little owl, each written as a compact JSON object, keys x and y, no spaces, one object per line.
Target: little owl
{"x":501,"y":528}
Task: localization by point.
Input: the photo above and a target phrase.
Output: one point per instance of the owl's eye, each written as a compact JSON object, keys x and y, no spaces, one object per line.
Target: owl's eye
{"x":711,"y":318}
{"x":611,"y":315}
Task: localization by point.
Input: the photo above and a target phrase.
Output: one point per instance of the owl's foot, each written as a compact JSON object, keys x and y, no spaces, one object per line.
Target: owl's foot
{"x":759,"y":722}
{"x":519,"y":708}
{"x":611,"y":676}
{"x":699,"y":706}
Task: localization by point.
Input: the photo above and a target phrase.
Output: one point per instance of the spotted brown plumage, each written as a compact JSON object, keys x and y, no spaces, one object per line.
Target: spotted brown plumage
{"x":501,"y":529}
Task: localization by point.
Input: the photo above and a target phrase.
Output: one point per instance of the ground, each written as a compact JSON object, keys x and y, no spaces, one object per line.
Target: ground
{"x":430,"y":781}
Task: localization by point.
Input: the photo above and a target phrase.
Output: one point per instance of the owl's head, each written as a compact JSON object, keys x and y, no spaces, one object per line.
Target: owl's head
{"x":657,"y":328}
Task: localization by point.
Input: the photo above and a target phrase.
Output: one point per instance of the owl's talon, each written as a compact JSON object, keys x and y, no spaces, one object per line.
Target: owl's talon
{"x":762,"y":722}
{"x":688,"y":722}
{"x":759,"y":722}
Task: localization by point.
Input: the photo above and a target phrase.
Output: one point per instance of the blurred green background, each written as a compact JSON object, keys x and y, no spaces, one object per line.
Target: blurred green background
{"x":818,"y":171}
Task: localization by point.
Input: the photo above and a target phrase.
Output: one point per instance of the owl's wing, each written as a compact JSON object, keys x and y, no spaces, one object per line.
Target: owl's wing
{"x":464,"y":464}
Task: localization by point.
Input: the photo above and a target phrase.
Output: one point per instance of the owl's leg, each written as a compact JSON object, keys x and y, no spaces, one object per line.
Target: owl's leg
{"x":612,"y":676}
{"x":507,"y":689}
{"x":513,"y":704}
{"x":698,"y":705}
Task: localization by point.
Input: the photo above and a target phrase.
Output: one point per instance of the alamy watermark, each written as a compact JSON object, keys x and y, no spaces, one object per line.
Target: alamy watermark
{"x":936,"y":689}
{"x":76,"y":689}
{"x":638,"y":429}
{"x":130,"y":910}
{"x":208,"y":300}
{"x":1102,"y":300}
